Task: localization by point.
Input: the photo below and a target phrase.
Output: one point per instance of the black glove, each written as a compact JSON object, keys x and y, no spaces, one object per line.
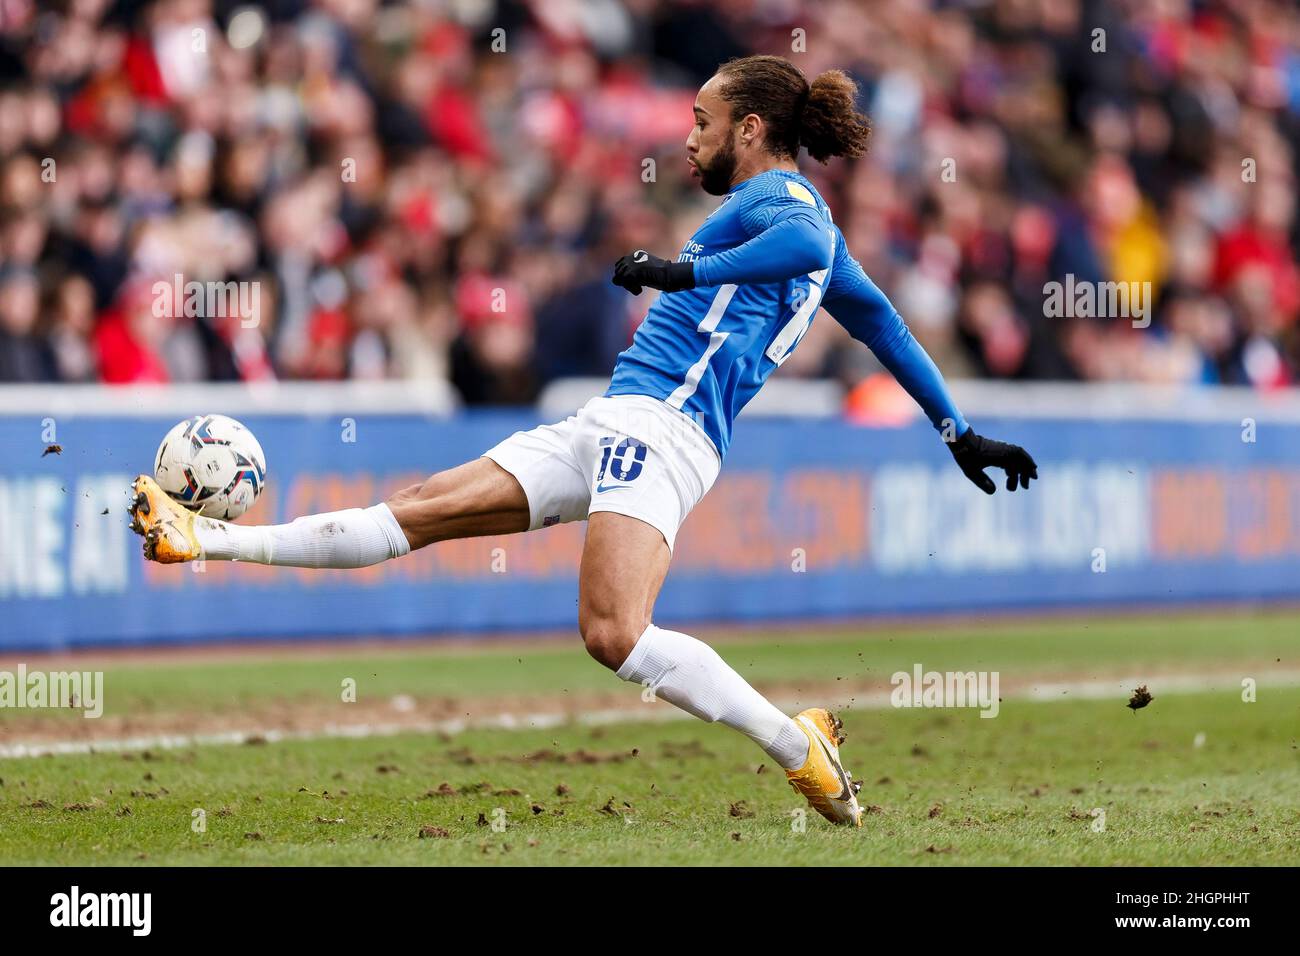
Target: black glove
{"x":974,"y":454}
{"x":642,"y":269}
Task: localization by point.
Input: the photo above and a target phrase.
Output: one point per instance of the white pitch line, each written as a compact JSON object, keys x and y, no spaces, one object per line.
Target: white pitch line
{"x":1117,"y":689}
{"x":1171,"y":684}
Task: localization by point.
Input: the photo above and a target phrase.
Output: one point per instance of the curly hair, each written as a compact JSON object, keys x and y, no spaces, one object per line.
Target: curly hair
{"x":821,"y":116}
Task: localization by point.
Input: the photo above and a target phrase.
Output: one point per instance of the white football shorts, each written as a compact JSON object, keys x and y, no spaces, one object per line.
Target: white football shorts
{"x":631,"y":454}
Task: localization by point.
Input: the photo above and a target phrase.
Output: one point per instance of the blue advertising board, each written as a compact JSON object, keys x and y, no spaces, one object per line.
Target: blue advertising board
{"x":814,"y":518}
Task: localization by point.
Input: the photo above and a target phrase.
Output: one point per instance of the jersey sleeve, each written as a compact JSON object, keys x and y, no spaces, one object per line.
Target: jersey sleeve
{"x":855,"y":302}
{"x":795,"y":245}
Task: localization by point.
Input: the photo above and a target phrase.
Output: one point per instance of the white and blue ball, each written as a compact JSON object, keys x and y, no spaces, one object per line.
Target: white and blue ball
{"x":213,"y":465}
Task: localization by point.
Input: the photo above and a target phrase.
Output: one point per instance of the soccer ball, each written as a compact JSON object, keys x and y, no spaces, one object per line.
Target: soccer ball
{"x":211,"y":464}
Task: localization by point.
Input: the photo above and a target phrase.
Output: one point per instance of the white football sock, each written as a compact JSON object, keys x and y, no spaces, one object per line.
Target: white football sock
{"x":690,"y":674}
{"x":355,"y":538}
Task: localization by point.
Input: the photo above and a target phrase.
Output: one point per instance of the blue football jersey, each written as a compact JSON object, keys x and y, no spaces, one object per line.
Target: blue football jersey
{"x":708,"y":350}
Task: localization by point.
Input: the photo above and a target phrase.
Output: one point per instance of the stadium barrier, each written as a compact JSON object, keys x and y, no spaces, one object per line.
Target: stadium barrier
{"x":1148,"y":496}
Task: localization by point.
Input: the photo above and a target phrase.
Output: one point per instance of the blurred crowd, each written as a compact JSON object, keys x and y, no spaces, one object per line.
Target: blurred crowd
{"x":437,"y":189}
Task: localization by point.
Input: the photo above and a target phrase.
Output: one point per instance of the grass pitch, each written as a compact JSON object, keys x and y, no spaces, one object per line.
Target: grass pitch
{"x":1198,"y":777}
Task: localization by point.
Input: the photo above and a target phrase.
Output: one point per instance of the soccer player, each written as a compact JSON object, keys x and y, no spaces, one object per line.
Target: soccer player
{"x":633,"y":462}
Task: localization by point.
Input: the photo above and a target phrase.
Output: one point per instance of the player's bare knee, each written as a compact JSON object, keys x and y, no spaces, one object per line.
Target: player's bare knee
{"x":609,"y":640}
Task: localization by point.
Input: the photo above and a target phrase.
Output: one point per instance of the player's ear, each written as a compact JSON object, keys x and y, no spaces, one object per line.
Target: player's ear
{"x":751,"y":129}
